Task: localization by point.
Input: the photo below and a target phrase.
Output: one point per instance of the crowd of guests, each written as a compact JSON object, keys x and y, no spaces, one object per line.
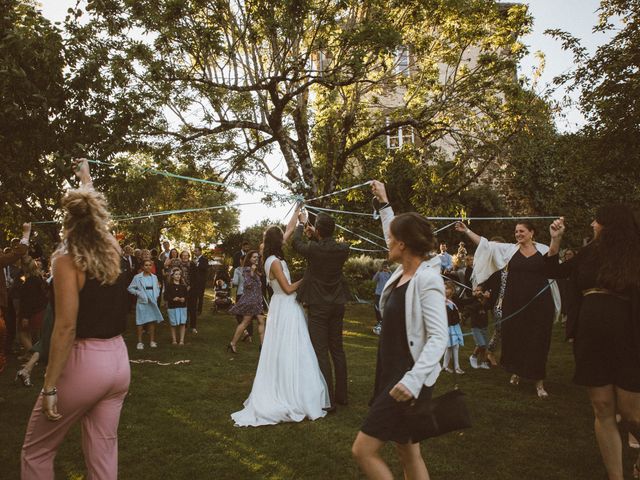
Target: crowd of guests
{"x":73,"y":319}
{"x":179,"y":278}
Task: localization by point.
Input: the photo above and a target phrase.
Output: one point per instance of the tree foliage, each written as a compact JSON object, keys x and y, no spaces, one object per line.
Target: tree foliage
{"x":312,"y":81}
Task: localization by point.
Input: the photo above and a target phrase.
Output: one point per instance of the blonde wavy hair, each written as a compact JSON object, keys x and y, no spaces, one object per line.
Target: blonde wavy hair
{"x":86,"y":236}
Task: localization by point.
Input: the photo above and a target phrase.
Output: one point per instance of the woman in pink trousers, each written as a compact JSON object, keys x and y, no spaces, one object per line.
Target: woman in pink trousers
{"x":88,"y":374}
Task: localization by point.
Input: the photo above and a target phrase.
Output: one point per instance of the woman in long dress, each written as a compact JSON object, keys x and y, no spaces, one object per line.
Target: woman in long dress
{"x":288,"y":386}
{"x":528,"y":304}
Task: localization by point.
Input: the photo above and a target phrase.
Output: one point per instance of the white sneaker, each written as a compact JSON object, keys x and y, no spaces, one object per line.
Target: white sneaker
{"x":153,"y":345}
{"x":473,"y":360}
{"x":140,"y":346}
{"x":377,"y":329}
{"x":485,"y":366}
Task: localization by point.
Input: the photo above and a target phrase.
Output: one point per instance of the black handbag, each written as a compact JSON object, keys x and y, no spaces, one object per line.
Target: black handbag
{"x":440,"y":415}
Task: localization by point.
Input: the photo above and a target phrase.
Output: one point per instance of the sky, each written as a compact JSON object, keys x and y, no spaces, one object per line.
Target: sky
{"x":574,"y":16}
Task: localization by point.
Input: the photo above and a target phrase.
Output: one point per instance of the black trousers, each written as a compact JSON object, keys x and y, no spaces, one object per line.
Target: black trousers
{"x":192,"y":311}
{"x":199,"y":297}
{"x":376,"y":308}
{"x":325,"y":330}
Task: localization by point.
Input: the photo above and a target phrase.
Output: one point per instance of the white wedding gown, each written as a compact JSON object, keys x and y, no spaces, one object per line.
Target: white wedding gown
{"x":288,"y":386}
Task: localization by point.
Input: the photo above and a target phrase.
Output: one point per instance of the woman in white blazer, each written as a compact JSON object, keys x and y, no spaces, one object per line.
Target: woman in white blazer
{"x":412,"y":342}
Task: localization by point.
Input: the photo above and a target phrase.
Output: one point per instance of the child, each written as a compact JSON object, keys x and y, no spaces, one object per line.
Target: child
{"x":145,"y":286}
{"x":176,"y":297}
{"x":455,"y":332}
{"x":478,"y":311}
{"x":380,"y":278}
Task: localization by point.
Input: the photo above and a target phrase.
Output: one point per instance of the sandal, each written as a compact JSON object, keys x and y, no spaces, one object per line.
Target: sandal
{"x":24,"y":377}
{"x":542,"y":393}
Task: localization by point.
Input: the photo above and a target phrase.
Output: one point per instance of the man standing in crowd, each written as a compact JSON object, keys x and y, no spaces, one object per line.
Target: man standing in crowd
{"x":324,"y":289}
{"x":166,"y":249}
{"x":7,"y":259}
{"x":446,"y":261}
{"x":12,"y":274}
{"x":239,"y":255}
{"x":199,"y":279}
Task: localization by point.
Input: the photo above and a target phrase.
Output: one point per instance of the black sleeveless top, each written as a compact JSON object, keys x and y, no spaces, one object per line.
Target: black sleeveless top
{"x":103,"y":309}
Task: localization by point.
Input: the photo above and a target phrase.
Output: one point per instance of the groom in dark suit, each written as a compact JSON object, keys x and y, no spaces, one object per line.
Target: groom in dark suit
{"x":324,"y":289}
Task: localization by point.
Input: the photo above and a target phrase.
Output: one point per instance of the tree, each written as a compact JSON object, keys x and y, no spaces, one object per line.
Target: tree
{"x":31,"y":86}
{"x":312,"y":80}
{"x":59,"y":103}
{"x":610,"y":99}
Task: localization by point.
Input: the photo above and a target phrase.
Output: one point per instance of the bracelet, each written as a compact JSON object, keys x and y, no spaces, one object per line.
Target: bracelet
{"x":50,"y":393}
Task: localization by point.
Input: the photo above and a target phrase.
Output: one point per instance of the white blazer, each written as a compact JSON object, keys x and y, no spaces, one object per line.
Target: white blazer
{"x":425,"y":317}
{"x":137,"y":287}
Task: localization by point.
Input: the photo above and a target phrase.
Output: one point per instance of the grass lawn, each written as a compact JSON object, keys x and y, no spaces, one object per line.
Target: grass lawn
{"x":175,"y":423}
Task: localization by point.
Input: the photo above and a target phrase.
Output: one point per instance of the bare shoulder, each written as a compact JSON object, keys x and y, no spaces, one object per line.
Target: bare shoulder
{"x":62,"y":261}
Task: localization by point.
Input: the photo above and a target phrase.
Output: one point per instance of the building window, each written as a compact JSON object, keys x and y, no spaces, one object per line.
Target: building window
{"x":399,"y":137}
{"x":402,"y":60}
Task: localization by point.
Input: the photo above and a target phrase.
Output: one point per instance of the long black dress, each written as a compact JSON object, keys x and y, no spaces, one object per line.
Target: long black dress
{"x":386,"y":419}
{"x":526,"y":337}
{"x":607,"y":327}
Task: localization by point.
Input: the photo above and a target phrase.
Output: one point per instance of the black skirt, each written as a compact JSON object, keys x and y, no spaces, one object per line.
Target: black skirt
{"x":605,"y":348}
{"x":387,"y":420}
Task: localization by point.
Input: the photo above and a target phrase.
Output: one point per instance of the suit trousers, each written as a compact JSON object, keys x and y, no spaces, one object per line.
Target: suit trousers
{"x":199,"y":297}
{"x":91,"y":389}
{"x":325,"y":330}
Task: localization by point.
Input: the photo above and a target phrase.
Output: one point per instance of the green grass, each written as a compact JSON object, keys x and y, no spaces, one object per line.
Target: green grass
{"x":175,"y":423}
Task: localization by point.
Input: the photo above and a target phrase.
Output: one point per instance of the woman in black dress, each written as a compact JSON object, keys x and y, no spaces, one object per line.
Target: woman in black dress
{"x":412,"y":343}
{"x":527,"y":305}
{"x":605,"y":276}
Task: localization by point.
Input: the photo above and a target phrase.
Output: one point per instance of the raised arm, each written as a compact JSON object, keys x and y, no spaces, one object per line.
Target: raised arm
{"x":291,"y":226}
{"x":277,"y":273}
{"x":462,"y":228}
{"x":82,"y":172}
{"x":556,"y":230}
{"x":18,"y":251}
{"x":386,"y":212}
{"x":300,"y":245}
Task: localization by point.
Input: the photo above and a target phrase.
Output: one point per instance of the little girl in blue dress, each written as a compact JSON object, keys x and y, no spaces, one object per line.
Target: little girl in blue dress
{"x":146,"y":288}
{"x":455,"y":332}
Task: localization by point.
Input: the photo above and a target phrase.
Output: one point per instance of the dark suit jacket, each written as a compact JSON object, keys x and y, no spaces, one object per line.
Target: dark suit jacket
{"x":323,"y":281}
{"x":236,"y":259}
{"x":126,"y":269}
{"x":8,"y":259}
{"x":199,"y":272}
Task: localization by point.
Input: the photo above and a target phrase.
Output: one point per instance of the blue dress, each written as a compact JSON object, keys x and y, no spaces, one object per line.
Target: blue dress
{"x":146,"y":286}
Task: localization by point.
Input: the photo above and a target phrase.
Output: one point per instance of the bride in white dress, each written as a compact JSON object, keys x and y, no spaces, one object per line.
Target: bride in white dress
{"x":288,"y":386}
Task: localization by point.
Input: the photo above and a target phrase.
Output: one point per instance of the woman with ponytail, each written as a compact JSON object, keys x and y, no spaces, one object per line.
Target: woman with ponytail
{"x":605,"y":278}
{"x":87,"y":377}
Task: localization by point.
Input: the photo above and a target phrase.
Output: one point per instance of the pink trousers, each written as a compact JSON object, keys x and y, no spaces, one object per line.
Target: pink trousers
{"x":91,"y":388}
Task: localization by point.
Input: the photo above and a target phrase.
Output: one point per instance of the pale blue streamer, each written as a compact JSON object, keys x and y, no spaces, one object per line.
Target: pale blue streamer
{"x":349,"y":231}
